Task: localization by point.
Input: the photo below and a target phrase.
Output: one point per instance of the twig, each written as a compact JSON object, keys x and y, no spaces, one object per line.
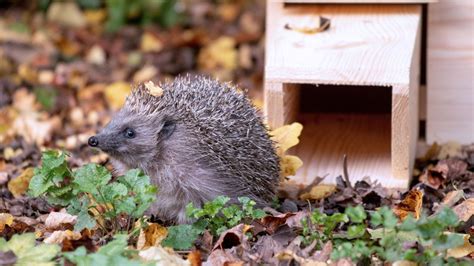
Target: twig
{"x":346,"y":173}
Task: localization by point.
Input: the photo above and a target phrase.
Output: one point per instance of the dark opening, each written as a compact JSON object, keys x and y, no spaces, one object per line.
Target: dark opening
{"x":345,"y":99}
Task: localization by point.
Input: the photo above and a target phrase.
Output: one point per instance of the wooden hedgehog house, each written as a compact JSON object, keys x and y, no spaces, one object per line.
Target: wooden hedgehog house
{"x":354,"y":86}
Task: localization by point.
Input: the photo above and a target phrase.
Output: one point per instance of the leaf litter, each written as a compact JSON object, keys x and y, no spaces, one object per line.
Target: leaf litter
{"x":61,"y":79}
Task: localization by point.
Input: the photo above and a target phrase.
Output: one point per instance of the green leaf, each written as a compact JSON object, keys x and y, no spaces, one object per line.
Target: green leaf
{"x":114,"y":247}
{"x":356,"y":214}
{"x":355,"y":231}
{"x":27,"y":253}
{"x":447,"y":217}
{"x":46,"y":97}
{"x":447,"y":241}
{"x":84,"y":220}
{"x":91,"y":177}
{"x":182,"y":236}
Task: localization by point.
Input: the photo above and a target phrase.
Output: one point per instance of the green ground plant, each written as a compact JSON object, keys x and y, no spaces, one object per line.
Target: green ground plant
{"x":89,"y":193}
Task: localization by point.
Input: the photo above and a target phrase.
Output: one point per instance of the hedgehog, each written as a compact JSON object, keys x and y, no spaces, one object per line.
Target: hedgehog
{"x":197,"y":140}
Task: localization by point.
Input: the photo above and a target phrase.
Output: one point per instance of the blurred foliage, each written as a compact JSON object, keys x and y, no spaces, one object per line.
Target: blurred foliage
{"x":122,"y":12}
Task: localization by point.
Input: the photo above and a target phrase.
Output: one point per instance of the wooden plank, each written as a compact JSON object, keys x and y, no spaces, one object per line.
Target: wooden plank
{"x":405,"y":120}
{"x":365,"y":139}
{"x":281,"y":103}
{"x":359,"y":1}
{"x":366,"y":45}
{"x":450,"y":77}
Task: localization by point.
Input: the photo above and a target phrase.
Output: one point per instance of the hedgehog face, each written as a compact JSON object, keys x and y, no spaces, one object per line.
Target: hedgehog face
{"x":134,"y":139}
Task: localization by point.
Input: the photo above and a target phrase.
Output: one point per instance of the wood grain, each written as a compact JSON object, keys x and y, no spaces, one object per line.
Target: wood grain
{"x":365,"y":45}
{"x":358,"y":1}
{"x":450,"y":77}
{"x":327,"y":137}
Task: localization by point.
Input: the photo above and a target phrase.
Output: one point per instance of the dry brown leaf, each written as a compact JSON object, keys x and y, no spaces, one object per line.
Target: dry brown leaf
{"x":145,"y":73}
{"x":233,"y":237}
{"x":194,"y":258}
{"x":450,"y":149}
{"x":58,"y":237}
{"x":412,"y":203}
{"x":55,"y":219}
{"x":461,"y":251}
{"x":96,"y":55}
{"x":465,"y":209}
{"x":19,"y":185}
{"x":150,"y":43}
{"x":162,"y":256}
{"x":318,"y":192}
{"x":153,"y":89}
{"x":66,"y":13}
{"x":151,"y":236}
{"x":286,"y":136}
{"x":116,"y":93}
{"x":289,"y":255}
{"x":309,"y":24}
{"x":5,"y":219}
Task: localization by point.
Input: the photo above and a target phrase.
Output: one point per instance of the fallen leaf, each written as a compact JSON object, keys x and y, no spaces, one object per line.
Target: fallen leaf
{"x":465,"y":209}
{"x":146,"y":73}
{"x":194,"y":258}
{"x":220,"y":53}
{"x":161,"y":256}
{"x":150,"y":43}
{"x":412,"y":203}
{"x":66,"y":13}
{"x":451,"y":198}
{"x":222,"y":257}
{"x":271,"y":223}
{"x":450,"y":149}
{"x":96,"y":55}
{"x":318,"y":192}
{"x":55,"y":219}
{"x":233,"y":237}
{"x":19,"y":185}
{"x":58,"y":237}
{"x":5,"y":219}
{"x":309,"y":24}
{"x":152,"y":235}
{"x":153,"y":89}
{"x":95,"y":16}
{"x":461,"y":251}
{"x":116,"y":93}
{"x":404,"y":263}
{"x":289,"y":164}
{"x":286,"y":136}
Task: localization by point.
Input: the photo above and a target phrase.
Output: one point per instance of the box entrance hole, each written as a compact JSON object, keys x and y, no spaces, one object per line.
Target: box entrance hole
{"x":338,"y":120}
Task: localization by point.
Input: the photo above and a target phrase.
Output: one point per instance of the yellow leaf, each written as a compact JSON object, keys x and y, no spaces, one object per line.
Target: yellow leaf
{"x":151,"y":236}
{"x":289,"y":164}
{"x":145,"y":73}
{"x":116,"y":93}
{"x":461,"y":251}
{"x":220,"y":53}
{"x":153,"y":89}
{"x":19,"y":185}
{"x":319,"y":192}
{"x":286,"y":136}
{"x":95,"y":16}
{"x":150,"y":43}
{"x":5,"y":219}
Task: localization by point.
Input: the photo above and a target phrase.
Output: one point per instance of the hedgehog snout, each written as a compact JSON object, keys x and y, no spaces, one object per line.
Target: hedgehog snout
{"x":93,"y":141}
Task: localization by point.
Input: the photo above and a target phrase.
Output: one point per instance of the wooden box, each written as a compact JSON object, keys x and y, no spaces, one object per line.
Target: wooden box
{"x":353,"y":87}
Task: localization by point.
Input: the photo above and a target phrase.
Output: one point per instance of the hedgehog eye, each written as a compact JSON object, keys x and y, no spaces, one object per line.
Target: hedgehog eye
{"x":129,"y":133}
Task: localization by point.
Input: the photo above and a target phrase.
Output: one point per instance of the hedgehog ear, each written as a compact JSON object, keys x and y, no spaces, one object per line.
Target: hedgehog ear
{"x":167,"y":130}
